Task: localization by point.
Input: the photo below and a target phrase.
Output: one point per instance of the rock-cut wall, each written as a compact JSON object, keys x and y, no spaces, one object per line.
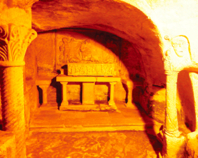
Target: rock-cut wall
{"x":56,"y":49}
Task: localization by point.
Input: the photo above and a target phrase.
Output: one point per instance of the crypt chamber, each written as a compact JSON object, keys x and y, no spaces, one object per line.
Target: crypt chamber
{"x":98,"y":79}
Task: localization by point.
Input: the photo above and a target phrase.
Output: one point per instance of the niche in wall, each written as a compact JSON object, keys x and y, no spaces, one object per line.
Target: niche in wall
{"x":55,"y":49}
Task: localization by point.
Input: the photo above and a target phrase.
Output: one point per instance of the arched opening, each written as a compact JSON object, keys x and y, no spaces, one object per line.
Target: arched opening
{"x":119,"y":29}
{"x":121,"y":19}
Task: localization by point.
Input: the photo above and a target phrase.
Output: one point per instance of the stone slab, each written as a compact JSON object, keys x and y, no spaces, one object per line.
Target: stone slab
{"x":78,"y":69}
{"x":88,"y":95}
{"x":64,"y":78}
{"x":47,"y":117}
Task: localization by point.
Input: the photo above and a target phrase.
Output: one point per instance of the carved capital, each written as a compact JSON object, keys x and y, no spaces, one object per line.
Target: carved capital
{"x":14,"y":41}
{"x":178,"y":56}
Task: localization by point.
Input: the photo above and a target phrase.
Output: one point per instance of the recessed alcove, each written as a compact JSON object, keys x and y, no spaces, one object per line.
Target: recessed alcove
{"x":98,"y":78}
{"x":51,"y":53}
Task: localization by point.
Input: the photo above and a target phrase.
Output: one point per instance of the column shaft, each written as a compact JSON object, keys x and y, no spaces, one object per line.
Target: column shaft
{"x":44,"y":89}
{"x":173,"y":142}
{"x":64,"y":103}
{"x":129,"y":103}
{"x":64,"y":91}
{"x":111,"y":100}
{"x":12,"y":96}
{"x":171,"y":120}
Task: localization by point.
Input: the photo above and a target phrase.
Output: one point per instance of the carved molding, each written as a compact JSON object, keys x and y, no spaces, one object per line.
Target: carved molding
{"x":14,"y":41}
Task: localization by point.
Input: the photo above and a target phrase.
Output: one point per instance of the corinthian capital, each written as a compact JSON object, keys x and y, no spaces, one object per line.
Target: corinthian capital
{"x":14,"y":41}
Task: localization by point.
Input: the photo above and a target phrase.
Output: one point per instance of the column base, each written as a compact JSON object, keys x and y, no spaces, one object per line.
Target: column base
{"x":130,"y":105}
{"x":192,"y":144}
{"x":112,"y":104}
{"x":64,"y":106}
{"x":174,"y":147}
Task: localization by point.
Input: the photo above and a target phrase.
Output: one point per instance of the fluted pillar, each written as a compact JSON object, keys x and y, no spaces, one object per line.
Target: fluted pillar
{"x":14,"y":41}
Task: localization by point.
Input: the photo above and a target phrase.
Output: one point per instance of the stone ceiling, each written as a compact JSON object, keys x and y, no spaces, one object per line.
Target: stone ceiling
{"x":114,"y":16}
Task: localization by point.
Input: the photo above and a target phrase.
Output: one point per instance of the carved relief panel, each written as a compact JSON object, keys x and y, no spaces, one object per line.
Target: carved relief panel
{"x":84,"y":56}
{"x":88,"y":53}
{"x":85,"y":53}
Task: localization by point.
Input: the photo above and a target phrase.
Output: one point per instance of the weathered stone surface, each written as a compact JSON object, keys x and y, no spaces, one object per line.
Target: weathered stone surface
{"x":93,"y":144}
{"x":187,"y":99}
{"x":121,"y":19}
{"x":142,"y":23}
{"x":30,"y":89}
{"x":91,"y":69}
{"x":31,"y":101}
{"x":69,"y":50}
{"x":44,"y":47}
{"x":7,"y":143}
{"x":192,"y":145}
{"x":157,"y":109}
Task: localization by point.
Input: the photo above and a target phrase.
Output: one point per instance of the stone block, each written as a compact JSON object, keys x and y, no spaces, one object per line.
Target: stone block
{"x":88,"y":94}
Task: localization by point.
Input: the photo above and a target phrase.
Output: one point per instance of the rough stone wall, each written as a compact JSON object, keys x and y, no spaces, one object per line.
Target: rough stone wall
{"x":0,"y":105}
{"x":30,"y":89}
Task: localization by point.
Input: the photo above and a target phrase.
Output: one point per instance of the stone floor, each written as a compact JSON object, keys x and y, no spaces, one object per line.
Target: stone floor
{"x":123,"y":144}
{"x":48,"y":117}
{"x":92,"y":134}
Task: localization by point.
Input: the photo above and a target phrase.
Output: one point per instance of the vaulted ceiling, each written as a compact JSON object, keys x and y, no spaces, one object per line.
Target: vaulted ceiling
{"x":113,"y":16}
{"x":126,"y":20}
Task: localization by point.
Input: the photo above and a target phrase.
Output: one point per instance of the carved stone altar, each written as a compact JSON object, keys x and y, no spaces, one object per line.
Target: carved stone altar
{"x":77,"y":55}
{"x":88,"y":75}
{"x":88,"y":90}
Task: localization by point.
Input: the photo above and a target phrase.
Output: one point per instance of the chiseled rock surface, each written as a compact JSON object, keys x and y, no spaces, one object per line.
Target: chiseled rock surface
{"x":192,"y":147}
{"x":116,"y":17}
{"x":93,"y":145}
{"x":157,"y":109}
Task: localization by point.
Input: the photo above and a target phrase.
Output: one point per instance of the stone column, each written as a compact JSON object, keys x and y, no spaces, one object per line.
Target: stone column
{"x":64,"y":103}
{"x":171,"y":121}
{"x":44,"y":89}
{"x":14,"y":41}
{"x":111,"y":100}
{"x":173,"y":142}
{"x":129,"y":103}
{"x":177,"y":57}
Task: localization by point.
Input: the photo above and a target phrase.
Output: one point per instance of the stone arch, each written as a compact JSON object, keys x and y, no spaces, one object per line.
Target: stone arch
{"x":124,"y":19}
